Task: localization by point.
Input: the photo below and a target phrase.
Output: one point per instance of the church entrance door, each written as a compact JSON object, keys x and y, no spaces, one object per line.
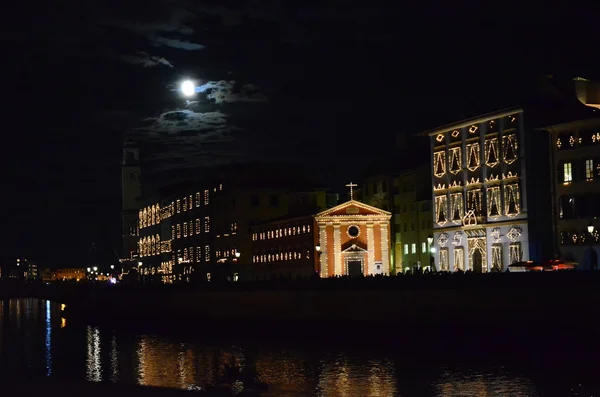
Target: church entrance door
{"x":355,"y":268}
{"x":477,"y":261}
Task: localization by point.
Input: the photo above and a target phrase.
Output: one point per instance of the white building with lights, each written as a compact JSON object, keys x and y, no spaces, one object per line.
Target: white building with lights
{"x":490,"y":179}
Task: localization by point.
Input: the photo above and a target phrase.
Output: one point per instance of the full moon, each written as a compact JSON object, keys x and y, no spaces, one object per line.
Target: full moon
{"x":188,"y":88}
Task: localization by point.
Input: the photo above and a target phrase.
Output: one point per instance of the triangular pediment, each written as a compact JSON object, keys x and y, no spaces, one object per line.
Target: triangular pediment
{"x":353,"y":208}
{"x":354,"y":248}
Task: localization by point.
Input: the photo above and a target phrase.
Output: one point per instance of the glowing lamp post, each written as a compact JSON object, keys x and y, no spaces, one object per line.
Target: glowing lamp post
{"x":590,"y":230}
{"x":237,"y":254}
{"x":431,"y":251}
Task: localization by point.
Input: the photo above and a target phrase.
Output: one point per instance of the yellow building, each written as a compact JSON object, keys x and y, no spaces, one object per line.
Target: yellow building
{"x":406,"y":195}
{"x":65,"y":274}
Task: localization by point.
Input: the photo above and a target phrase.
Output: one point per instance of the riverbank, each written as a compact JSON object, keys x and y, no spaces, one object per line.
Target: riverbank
{"x":92,"y":389}
{"x":432,"y":307}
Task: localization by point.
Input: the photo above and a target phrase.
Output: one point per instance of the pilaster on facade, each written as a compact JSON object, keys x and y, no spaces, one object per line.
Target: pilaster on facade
{"x":385,"y":253}
{"x":371,"y":249}
{"x":337,"y":250}
{"x":323,"y":244}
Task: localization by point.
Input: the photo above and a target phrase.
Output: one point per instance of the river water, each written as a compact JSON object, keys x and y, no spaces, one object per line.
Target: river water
{"x":35,"y":343}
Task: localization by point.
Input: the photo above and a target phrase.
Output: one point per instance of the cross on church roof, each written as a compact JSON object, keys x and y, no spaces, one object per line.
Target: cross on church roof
{"x":351,"y":186}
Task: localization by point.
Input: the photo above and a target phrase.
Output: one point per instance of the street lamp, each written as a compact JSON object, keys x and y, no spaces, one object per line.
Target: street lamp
{"x":237,"y":254}
{"x":318,"y":248}
{"x":139,"y":264}
{"x":590,"y":230}
{"x":89,"y":269}
{"x":431,"y":251}
{"x":95,"y":268}
{"x":112,"y":267}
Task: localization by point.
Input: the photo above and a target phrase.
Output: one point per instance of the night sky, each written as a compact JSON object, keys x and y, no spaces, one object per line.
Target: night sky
{"x":322,"y":83}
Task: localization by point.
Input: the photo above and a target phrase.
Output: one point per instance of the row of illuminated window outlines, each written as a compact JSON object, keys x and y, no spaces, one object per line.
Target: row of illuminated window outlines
{"x":225,"y":253}
{"x":154,"y":214}
{"x":582,"y":237}
{"x":413,"y":248}
{"x":453,"y":210}
{"x":187,"y":203}
{"x":193,"y":254}
{"x":452,"y":160}
{"x":191,"y":228}
{"x":152,"y":245}
{"x":474,"y":129}
{"x":492,"y":179}
{"x":573,"y":141}
{"x":590,"y":170}
{"x":515,"y":254}
{"x":280,"y":256}
{"x":281,"y":232}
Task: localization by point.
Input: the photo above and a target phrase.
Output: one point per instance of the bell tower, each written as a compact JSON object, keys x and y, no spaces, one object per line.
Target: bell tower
{"x":131,"y":191}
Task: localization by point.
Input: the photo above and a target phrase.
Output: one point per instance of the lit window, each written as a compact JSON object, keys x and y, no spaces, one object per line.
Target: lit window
{"x":172,"y":232}
{"x":191,"y":202}
{"x":185,"y":204}
{"x":185,"y":229}
{"x":198,"y":225}
{"x":413,"y":248}
{"x":207,"y":253}
{"x":589,"y":169}
{"x":179,"y":230}
{"x":178,"y":207}
{"x":206,"y":224}
{"x":423,"y":247}
{"x":198,"y":199}
{"x":405,"y":249}
{"x":206,"y":197}
{"x":567,"y":172}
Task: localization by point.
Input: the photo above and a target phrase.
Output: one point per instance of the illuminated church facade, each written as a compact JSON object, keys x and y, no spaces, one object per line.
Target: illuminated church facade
{"x":353,"y":240}
{"x":483,"y":206}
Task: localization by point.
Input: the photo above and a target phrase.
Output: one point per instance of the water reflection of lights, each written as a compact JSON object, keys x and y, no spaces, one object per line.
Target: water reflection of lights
{"x":342,"y":377}
{"x":48,"y":340}
{"x":94,"y":365}
{"x":483,"y":385}
{"x":164,"y":364}
{"x":114,"y":360}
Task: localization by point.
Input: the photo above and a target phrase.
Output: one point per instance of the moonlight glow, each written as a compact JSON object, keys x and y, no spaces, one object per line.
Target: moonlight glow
{"x":188,"y":88}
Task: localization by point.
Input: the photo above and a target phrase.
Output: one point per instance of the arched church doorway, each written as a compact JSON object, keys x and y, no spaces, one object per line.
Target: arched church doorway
{"x":477,"y":261}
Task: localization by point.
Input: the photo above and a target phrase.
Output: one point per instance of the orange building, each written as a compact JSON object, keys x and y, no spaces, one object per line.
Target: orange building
{"x":353,"y":240}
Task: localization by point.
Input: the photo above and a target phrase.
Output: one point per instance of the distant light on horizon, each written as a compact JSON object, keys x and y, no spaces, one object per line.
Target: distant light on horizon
{"x":188,"y":88}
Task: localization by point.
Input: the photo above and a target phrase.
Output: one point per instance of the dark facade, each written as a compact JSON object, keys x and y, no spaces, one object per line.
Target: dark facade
{"x":576,"y":176}
{"x":131,"y":192}
{"x":202,"y":230}
{"x":285,"y":248}
{"x":20,"y":269}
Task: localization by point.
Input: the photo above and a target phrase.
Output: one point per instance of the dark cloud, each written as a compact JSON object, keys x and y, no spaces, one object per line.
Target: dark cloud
{"x":143,"y":59}
{"x":231,"y":91}
{"x":176,"y":43}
